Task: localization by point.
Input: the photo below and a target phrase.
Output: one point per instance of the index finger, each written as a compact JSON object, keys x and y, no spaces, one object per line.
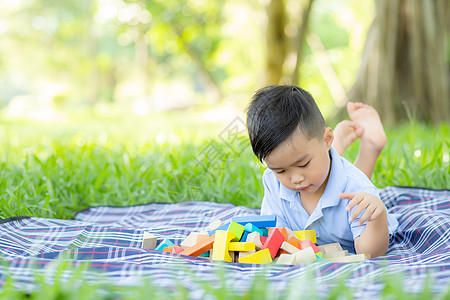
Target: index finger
{"x":347,"y":195}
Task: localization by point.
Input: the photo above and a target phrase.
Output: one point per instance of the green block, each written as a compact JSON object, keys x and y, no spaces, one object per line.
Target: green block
{"x":237,"y":229}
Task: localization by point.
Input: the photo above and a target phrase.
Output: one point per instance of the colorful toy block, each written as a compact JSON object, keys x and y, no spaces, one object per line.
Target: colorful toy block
{"x":214,"y":225}
{"x":285,"y":246}
{"x":291,"y":236}
{"x":256,"y":239}
{"x":259,"y":257}
{"x":282,"y":230}
{"x":263,"y":239}
{"x":286,"y":259}
{"x":244,"y":236}
{"x":193,"y":239}
{"x":165,"y":243}
{"x":305,"y":256}
{"x":173,"y":249}
{"x":220,"y":247}
{"x":223,"y":227}
{"x":306,"y":234}
{"x":206,"y":254}
{"x":249,"y":227}
{"x":149,"y":241}
{"x":245,"y":253}
{"x":331,"y":255}
{"x":319,"y":258}
{"x":265,"y":232}
{"x":307,"y":243}
{"x":259,"y":221}
{"x":237,"y":229}
{"x":234,"y":246}
{"x":329,"y":248}
{"x":200,"y":248}
{"x":273,"y":242}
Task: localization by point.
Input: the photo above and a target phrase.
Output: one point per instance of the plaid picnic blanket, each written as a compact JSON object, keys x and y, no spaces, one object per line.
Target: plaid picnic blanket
{"x":109,"y":240}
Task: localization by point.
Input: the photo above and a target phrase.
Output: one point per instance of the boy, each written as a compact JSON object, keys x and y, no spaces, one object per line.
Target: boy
{"x":308,"y":185}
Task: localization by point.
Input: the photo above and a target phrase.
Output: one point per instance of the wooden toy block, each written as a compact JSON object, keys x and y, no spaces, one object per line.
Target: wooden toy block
{"x":249,"y":227}
{"x":329,"y":248}
{"x":294,"y":243}
{"x":173,"y":249}
{"x":273,"y":242}
{"x":237,"y":229}
{"x":306,"y":234}
{"x":263,"y":239}
{"x":220,"y":247}
{"x":282,"y":230}
{"x":204,"y":232}
{"x":335,"y":254}
{"x":260,"y":257}
{"x":223,"y":227}
{"x":244,"y":236}
{"x":265,"y":232}
{"x":259,"y":221}
{"x":319,"y":254}
{"x":165,"y":243}
{"x":305,"y":256}
{"x":285,"y":246}
{"x":319,"y":258}
{"x":149,"y":241}
{"x":286,"y":259}
{"x":193,"y":239}
{"x":307,"y":243}
{"x":237,"y":246}
{"x":246,"y":253}
{"x":214,"y":225}
{"x":206,"y":254}
{"x":200,"y":248}
{"x":291,"y":235}
{"x":256,"y":239}
{"x":168,"y":249}
{"x":349,"y":258}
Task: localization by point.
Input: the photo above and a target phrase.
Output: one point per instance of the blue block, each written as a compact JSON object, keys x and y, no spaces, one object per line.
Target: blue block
{"x":249,"y":227}
{"x":223,"y":227}
{"x":165,"y":243}
{"x":320,"y":258}
{"x":206,"y":254}
{"x":244,"y":236}
{"x":265,"y":232}
{"x":259,"y":221}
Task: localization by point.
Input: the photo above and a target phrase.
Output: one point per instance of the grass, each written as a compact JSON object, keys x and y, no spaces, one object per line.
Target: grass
{"x":49,"y":170}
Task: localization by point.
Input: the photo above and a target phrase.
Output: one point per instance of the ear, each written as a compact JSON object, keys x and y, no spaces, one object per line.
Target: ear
{"x":328,"y":137}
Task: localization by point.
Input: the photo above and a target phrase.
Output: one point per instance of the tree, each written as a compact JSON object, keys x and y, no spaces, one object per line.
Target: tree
{"x":405,"y":63}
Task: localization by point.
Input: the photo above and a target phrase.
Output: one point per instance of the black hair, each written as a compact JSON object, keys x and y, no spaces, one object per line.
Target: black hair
{"x":276,"y":111}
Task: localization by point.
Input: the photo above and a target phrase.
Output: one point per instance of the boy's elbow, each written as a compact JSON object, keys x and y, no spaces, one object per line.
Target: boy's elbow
{"x":374,"y":249}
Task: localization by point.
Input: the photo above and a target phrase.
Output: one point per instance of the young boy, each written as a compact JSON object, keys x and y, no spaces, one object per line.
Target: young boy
{"x":308,"y":185}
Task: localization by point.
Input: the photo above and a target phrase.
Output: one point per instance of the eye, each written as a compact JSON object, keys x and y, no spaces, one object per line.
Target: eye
{"x":280,"y":172}
{"x":305,"y":164}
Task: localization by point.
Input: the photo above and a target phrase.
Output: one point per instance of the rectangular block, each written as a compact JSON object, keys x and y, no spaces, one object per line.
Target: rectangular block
{"x":149,"y":241}
{"x":234,"y":246}
{"x":307,"y":243}
{"x":165,"y":243}
{"x":245,"y":253}
{"x":249,"y":227}
{"x":260,"y":221}
{"x":220,"y":246}
{"x":305,"y":256}
{"x":200,"y":248}
{"x":285,"y":246}
{"x":260,"y":257}
{"x":329,"y":248}
{"x":244,"y":236}
{"x":273,"y":242}
{"x":192,"y":239}
{"x":291,"y":236}
{"x":237,"y":229}
{"x":286,"y":259}
{"x":306,"y":234}
{"x":214,"y":225}
{"x":282,"y":230}
{"x":335,"y":254}
{"x":263,"y":239}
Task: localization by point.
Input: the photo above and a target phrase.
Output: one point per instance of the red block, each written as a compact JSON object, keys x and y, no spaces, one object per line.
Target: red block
{"x":263,"y":239}
{"x":307,"y":243}
{"x":282,"y":230}
{"x":177,"y":249}
{"x":273,"y":242}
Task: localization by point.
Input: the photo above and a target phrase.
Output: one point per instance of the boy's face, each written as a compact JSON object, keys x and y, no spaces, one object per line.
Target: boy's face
{"x":302,"y":164}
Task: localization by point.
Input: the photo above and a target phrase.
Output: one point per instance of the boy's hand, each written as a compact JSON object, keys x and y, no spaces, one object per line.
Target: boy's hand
{"x":373,"y":205}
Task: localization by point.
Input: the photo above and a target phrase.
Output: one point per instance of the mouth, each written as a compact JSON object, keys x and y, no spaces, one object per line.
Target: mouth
{"x":303,"y":188}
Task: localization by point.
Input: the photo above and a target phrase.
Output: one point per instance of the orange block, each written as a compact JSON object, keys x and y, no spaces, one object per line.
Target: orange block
{"x":200,"y":248}
{"x":282,"y":230}
{"x":168,"y":249}
{"x":177,"y":249}
{"x":294,"y":243}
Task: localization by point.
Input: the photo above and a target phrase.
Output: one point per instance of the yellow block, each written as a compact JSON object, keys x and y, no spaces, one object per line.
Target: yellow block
{"x":306,"y":235}
{"x":260,"y":257}
{"x":220,"y":247}
{"x":240,"y":246}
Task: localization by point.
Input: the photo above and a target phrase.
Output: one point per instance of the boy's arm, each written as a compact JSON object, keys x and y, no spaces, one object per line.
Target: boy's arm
{"x":375,"y":237}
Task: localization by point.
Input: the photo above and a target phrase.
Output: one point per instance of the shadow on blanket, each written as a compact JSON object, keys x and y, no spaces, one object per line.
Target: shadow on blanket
{"x":109,"y":238}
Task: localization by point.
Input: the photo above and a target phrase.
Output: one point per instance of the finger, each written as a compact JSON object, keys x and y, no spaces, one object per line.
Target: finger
{"x":354,"y":201}
{"x":366,"y":215}
{"x":361,"y":205}
{"x":347,"y":195}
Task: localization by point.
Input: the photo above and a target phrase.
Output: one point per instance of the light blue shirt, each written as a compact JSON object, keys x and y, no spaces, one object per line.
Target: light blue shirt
{"x":329,"y":219}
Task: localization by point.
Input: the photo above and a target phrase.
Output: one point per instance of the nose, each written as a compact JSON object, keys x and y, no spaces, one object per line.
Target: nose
{"x":297,"y":178}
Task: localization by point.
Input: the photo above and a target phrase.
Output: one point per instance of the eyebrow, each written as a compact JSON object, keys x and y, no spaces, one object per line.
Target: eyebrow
{"x":294,"y":163}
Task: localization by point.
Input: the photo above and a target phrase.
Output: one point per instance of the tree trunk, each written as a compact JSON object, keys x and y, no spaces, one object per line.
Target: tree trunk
{"x":276,"y":41}
{"x":404,"y":71}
